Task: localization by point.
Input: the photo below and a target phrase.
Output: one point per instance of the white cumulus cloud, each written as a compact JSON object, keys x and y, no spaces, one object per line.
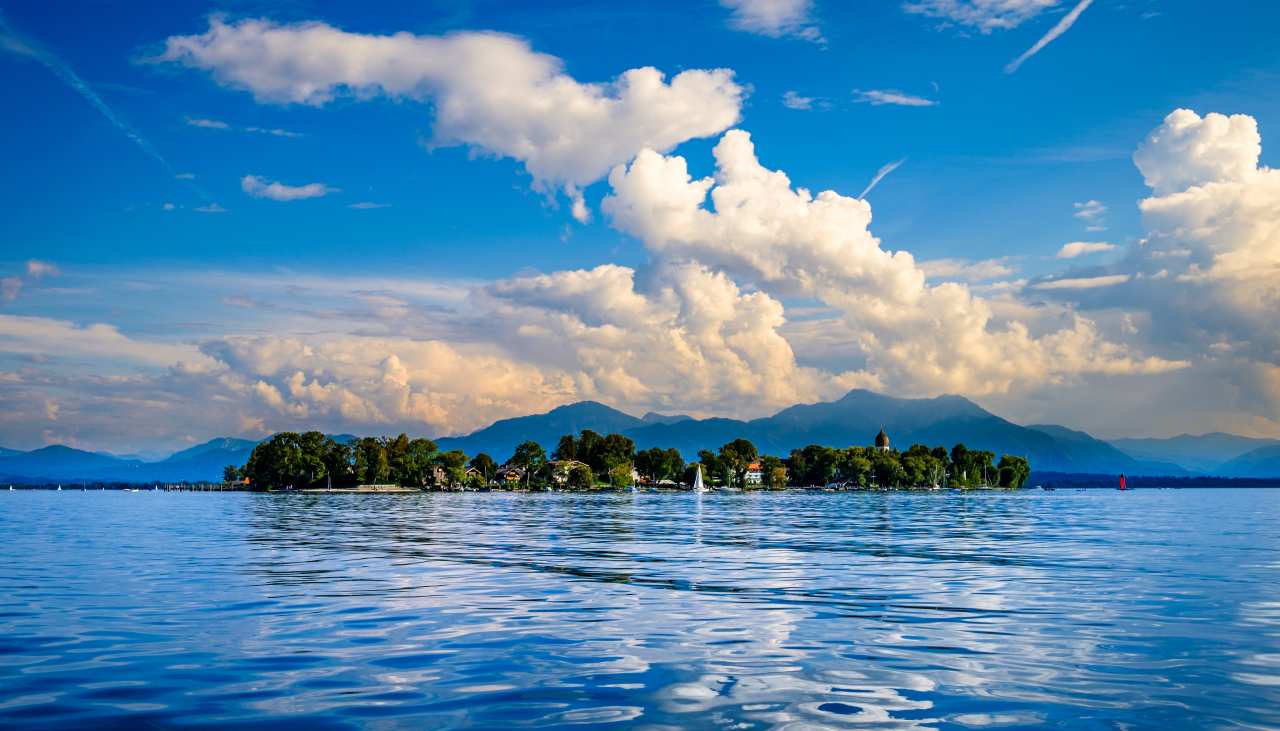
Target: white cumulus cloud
{"x":488,"y":90}
{"x":914,"y":337}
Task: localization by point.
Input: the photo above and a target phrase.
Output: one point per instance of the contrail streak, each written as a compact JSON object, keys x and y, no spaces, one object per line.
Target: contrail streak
{"x":11,"y":41}
{"x":1063,"y":26}
{"x":883,"y":171}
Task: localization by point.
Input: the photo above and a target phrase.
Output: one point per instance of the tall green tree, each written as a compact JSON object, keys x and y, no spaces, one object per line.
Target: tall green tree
{"x":371,"y":464}
{"x":620,"y":475}
{"x":887,"y":470}
{"x":531,"y":457}
{"x":416,"y":460}
{"x":616,"y":450}
{"x":338,"y":465}
{"x":566,"y":449}
{"x":734,"y":458}
{"x":658,"y":464}
{"x":1013,"y":471}
{"x":580,"y":477}
{"x":454,"y":463}
{"x":774,"y":472}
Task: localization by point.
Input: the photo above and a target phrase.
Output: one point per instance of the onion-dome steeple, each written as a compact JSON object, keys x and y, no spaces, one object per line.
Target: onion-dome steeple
{"x":882,"y":441}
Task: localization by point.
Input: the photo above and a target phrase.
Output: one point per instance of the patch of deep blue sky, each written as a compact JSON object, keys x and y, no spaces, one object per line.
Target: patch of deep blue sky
{"x":992,"y":170}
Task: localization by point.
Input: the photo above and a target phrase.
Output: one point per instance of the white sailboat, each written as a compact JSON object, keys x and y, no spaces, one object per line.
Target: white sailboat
{"x":697,"y":480}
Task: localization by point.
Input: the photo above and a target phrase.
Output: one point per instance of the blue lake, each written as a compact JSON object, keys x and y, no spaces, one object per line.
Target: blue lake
{"x":1144,"y":609}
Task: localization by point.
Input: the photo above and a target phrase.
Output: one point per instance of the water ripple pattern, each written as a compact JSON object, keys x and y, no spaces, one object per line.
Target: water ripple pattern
{"x":1145,"y":609}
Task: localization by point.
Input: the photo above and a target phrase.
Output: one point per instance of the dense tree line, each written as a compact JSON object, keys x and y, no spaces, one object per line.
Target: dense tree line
{"x":590,"y":460}
{"x":919,"y":466}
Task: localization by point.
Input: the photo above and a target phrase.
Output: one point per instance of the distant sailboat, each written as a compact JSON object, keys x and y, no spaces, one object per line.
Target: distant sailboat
{"x":59,"y":488}
{"x":1123,"y":484}
{"x":697,"y":481}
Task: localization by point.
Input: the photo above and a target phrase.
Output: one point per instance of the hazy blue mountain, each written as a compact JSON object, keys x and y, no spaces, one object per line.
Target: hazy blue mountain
{"x":220,"y":445}
{"x":203,"y":462}
{"x":65,"y":464}
{"x":5,"y":452}
{"x":1083,"y":447}
{"x":1198,"y":453}
{"x":57,"y":462}
{"x":500,"y":438}
{"x":1261,"y":462}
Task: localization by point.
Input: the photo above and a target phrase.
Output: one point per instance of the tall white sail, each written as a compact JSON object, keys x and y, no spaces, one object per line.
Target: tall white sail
{"x":697,"y":481}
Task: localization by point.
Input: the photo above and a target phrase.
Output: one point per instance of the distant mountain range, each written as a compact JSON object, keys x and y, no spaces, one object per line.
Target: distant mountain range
{"x":1261,"y":462}
{"x":57,"y":463}
{"x":853,"y":419}
{"x":1214,"y":453}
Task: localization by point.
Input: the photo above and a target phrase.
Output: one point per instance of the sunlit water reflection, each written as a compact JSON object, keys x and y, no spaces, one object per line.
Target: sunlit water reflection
{"x":1143,"y":609}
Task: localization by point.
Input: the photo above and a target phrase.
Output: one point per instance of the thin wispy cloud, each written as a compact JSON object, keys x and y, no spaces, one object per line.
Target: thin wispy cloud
{"x":37,"y":269}
{"x":883,"y":171}
{"x":1093,"y":213}
{"x":207,"y":123}
{"x":12,"y":42}
{"x":1063,"y":26}
{"x":273,"y":131}
{"x":983,"y":15}
{"x":260,"y":187}
{"x":965,"y":270}
{"x":774,"y":18}
{"x":1109,"y":280}
{"x":879,"y":97}
{"x":220,"y":125}
{"x":792,"y":100}
{"x":1081,"y":248}
{"x":368,"y":205}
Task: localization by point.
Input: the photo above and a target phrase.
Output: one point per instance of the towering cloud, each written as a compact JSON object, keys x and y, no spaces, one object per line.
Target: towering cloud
{"x":1202,"y":285}
{"x":1212,"y":221}
{"x":490,"y":91}
{"x":914,"y":337}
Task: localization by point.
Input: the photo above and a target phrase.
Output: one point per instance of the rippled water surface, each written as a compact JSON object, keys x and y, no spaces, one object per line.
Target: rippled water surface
{"x":1143,"y":609}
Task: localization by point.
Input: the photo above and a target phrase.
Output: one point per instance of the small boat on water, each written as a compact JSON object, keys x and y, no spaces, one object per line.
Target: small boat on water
{"x":1123,"y":484}
{"x":698,"y":487}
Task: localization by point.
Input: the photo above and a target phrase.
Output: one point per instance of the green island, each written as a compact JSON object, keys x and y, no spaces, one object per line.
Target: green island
{"x":312,"y":461}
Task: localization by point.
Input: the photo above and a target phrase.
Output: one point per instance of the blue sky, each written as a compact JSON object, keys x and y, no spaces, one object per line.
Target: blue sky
{"x":408,"y":238}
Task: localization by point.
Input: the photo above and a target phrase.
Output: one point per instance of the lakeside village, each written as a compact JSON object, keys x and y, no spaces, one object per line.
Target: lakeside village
{"x":313,"y":462}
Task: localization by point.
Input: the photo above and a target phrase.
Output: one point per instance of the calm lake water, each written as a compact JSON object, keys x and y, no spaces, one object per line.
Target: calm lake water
{"x":1144,"y":609}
